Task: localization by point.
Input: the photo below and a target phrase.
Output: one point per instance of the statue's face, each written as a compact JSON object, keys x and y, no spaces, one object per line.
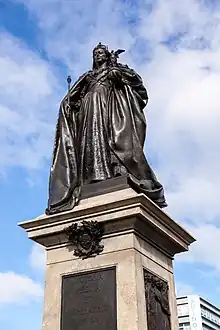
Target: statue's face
{"x":99,"y":56}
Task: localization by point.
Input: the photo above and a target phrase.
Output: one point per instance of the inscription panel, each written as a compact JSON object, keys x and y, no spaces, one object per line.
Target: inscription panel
{"x":89,"y":301}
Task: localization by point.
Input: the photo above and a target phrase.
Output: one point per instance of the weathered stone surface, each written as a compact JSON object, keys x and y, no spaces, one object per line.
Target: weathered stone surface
{"x":119,"y":211}
{"x":137,"y":235}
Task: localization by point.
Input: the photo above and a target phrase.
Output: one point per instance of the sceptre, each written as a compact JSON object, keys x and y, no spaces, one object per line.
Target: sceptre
{"x":68,"y":95}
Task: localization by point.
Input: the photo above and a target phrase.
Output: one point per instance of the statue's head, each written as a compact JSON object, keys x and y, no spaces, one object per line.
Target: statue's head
{"x":100,"y":55}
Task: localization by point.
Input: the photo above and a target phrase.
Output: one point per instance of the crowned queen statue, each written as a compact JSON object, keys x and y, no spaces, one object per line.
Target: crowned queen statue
{"x":100,"y":134}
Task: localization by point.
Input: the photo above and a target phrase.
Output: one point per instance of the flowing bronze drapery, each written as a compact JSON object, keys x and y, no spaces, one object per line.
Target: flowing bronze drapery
{"x":101,"y":135}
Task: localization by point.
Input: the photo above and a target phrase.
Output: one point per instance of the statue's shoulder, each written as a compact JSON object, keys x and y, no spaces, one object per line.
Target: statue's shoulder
{"x":123,"y":66}
{"x":81,"y":80}
{"x":126,"y":69}
{"x":84,"y":75}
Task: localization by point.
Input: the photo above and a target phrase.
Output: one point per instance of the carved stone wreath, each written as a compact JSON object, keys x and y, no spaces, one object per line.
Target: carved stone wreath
{"x":86,"y":238}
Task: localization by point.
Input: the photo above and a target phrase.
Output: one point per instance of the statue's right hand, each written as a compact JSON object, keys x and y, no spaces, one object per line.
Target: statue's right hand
{"x":71,"y":106}
{"x":88,"y":78}
{"x":67,"y":108}
{"x":77,"y":105}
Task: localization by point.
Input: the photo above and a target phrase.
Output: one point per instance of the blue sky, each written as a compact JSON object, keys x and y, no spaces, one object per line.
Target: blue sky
{"x":175,"y":46}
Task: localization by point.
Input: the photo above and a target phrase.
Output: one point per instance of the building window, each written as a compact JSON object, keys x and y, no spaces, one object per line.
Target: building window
{"x":210,"y":316}
{"x":184,"y":326}
{"x":182,"y":310}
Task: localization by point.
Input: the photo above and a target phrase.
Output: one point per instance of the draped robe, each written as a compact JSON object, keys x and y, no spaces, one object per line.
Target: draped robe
{"x":100,"y":136}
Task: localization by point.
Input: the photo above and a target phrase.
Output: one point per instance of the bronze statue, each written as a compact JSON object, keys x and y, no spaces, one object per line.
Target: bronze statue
{"x":100,"y":133}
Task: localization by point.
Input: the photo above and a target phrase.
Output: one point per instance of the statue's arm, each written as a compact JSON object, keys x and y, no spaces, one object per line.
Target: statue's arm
{"x":124,"y":75}
{"x":132,"y":78}
{"x":76,"y":92}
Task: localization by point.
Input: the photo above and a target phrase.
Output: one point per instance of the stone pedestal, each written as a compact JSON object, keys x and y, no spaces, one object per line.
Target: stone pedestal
{"x":139,"y":238}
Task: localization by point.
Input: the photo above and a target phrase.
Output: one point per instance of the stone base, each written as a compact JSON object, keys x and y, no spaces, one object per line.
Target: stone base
{"x":137,"y":235}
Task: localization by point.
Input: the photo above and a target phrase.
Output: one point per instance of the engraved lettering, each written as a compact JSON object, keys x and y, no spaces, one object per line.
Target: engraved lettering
{"x":84,"y":306}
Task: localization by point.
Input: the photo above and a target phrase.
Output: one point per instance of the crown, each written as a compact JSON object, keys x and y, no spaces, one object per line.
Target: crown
{"x":100,"y":45}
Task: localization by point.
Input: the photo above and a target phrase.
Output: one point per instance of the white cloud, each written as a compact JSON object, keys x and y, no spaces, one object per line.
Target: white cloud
{"x":171,"y":18}
{"x":26,"y":104}
{"x":37,"y":257}
{"x":18,"y":289}
{"x":71,"y":35}
{"x":205,"y":250}
{"x":184,"y":115}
